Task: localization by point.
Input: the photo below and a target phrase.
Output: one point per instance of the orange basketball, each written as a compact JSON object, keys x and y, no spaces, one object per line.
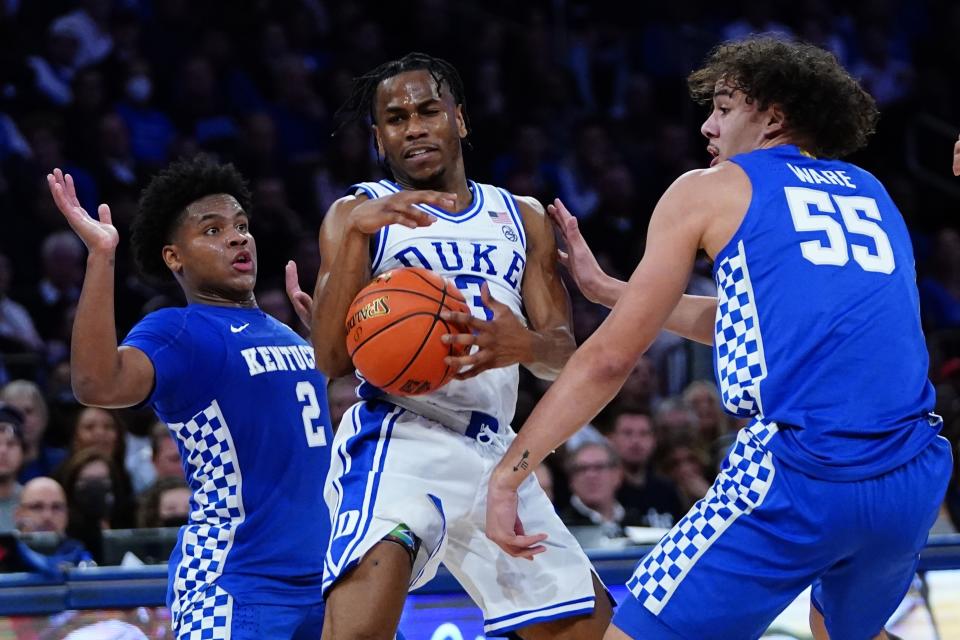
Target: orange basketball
{"x":394,"y":328}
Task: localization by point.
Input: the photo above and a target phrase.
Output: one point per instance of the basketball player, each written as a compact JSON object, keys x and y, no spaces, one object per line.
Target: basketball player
{"x":406,"y":488}
{"x":839,"y":476}
{"x":238,"y":390}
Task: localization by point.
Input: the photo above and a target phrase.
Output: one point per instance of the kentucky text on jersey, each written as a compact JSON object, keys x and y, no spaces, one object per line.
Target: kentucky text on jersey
{"x":267,"y":358}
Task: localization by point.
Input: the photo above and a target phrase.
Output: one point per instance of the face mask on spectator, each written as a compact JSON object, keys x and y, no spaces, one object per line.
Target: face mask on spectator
{"x":174,"y":521}
{"x":139,"y":88}
{"x":94,"y":498}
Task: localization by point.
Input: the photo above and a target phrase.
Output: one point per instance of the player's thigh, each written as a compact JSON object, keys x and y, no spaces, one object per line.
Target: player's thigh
{"x":515,"y":593}
{"x":582,"y":627}
{"x":893,"y":516}
{"x":377,"y":585}
{"x":738,"y":557}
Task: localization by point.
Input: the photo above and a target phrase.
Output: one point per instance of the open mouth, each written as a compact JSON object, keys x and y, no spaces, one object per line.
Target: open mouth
{"x":243,"y":262}
{"x":414,"y":153}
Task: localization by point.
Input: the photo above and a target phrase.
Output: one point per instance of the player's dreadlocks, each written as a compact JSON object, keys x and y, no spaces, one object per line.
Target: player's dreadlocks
{"x":362,"y":100}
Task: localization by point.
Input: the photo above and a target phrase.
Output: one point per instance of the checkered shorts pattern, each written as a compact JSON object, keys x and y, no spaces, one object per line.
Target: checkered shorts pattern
{"x":217,"y":507}
{"x":207,"y":617}
{"x":740,"y":488}
{"x":739,"y":348}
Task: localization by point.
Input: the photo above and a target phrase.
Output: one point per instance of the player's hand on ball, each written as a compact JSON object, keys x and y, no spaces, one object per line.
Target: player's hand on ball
{"x":370,"y":216}
{"x":500,"y":341}
{"x":100,"y":236}
{"x":504,"y":526}
{"x":300,"y":299}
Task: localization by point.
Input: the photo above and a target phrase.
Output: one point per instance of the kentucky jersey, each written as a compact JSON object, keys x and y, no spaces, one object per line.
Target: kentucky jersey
{"x":484,"y":243}
{"x":247,"y":408}
{"x":818,"y":327}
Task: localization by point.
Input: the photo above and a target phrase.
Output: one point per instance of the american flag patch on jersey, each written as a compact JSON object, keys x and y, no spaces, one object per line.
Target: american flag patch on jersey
{"x":500,"y":217}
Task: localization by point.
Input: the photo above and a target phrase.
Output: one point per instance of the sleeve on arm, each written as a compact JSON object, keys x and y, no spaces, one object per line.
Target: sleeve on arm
{"x":163,"y":337}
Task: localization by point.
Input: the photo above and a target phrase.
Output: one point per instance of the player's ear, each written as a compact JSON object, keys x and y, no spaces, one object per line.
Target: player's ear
{"x":461,"y":122}
{"x":776,"y":120}
{"x":171,"y":257}
{"x":377,"y":140}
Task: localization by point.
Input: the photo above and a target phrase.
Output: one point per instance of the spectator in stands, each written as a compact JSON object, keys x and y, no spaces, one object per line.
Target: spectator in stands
{"x":17,"y":332}
{"x":62,"y":256}
{"x":102,"y":430}
{"x":11,"y":459}
{"x":675,"y":420}
{"x":38,"y":459}
{"x":165,"y":504}
{"x":89,"y":478}
{"x":151,"y":130}
{"x":940,"y":290}
{"x":545,"y":478}
{"x":166,"y":456}
{"x":686,"y":466}
{"x":712,"y":422}
{"x":641,"y":391}
{"x":654,"y":497}
{"x":43,"y":508}
{"x":595,"y":476}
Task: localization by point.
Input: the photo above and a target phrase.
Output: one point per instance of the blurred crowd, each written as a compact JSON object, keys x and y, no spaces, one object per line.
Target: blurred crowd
{"x":582,"y":100}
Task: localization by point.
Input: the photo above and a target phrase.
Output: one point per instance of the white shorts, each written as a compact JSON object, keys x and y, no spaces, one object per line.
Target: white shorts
{"x":391,"y":466}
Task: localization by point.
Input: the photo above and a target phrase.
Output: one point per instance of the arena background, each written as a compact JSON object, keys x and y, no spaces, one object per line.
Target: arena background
{"x":581,"y":100}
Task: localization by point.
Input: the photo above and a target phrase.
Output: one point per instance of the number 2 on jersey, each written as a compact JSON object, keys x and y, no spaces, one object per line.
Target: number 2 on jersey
{"x":316,"y":436}
{"x":834,"y":251}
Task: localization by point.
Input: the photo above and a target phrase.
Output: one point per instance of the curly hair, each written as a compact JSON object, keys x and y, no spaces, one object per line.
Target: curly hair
{"x":824,"y":105}
{"x":164,"y":201}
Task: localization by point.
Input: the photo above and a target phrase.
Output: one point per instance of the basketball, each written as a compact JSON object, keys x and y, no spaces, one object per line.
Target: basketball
{"x":394,"y":328}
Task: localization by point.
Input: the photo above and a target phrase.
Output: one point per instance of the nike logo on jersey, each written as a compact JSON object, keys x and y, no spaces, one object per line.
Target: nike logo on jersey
{"x":234,"y":329}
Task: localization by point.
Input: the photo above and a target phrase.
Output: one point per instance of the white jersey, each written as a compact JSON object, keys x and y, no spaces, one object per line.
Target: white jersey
{"x":485,"y":242}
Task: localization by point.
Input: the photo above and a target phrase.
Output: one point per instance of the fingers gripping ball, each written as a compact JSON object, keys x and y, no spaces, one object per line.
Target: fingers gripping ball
{"x":394,"y":329}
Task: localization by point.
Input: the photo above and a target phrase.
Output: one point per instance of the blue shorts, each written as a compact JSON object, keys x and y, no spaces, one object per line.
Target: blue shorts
{"x":215,"y":615}
{"x":764,"y":532}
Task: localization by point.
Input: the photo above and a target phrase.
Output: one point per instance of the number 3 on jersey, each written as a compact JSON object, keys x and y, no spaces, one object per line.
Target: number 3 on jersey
{"x":834,"y":251}
{"x":316,"y":437}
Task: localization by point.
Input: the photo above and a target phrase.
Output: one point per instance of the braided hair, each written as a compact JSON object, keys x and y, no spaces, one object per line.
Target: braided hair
{"x":361,"y":103}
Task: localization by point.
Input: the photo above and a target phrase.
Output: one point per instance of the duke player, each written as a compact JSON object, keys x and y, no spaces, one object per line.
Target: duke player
{"x":406,"y":488}
{"x":240,"y":394}
{"x":839,"y":476}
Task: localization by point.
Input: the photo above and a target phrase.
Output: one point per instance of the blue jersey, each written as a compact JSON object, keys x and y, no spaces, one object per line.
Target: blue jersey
{"x":818,"y":326}
{"x":248,"y":409}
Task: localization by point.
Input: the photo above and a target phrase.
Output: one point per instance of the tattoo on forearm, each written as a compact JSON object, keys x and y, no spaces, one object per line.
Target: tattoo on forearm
{"x":523,"y":464}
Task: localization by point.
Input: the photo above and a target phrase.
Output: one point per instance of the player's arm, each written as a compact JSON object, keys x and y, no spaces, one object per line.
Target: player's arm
{"x":692,"y":318}
{"x":345,"y":263}
{"x":102,"y":374}
{"x":545,"y":297}
{"x":599,"y":367}
{"x":956,"y":158}
{"x":544,"y":346}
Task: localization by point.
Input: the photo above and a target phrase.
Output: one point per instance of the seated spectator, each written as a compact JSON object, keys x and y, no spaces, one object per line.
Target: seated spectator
{"x":712,"y":422}
{"x":545,"y":479}
{"x":165,"y":504}
{"x":11,"y":459}
{"x":89,"y":478}
{"x":17,"y":332}
{"x":595,"y":475}
{"x":686,"y":466}
{"x":654,"y":497}
{"x":101,"y":430}
{"x":166,"y":455}
{"x":43,"y":508}
{"x":38,"y":459}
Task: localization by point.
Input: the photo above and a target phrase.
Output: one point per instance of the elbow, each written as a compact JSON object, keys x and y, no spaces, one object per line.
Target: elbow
{"x":88,"y":392}
{"x":609,"y":363}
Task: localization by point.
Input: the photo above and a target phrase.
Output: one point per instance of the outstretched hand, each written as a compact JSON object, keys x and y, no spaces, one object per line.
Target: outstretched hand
{"x":100,"y":236}
{"x":400,"y":208}
{"x":300,"y":299}
{"x":502,"y":340}
{"x":578,"y":258}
